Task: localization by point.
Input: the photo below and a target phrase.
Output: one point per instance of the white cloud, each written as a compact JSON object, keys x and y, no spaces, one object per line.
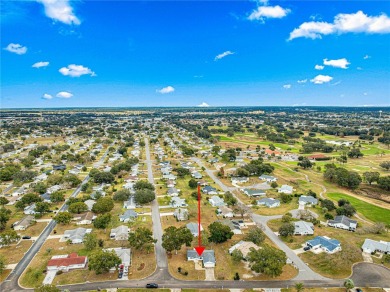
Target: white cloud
{"x":223,"y":55}
{"x":64,"y":94}
{"x":166,"y":90}
{"x":287,"y":86}
{"x":263,"y":12}
{"x":320,"y":79}
{"x":319,"y":67}
{"x":40,"y":64}
{"x":366,"y":57}
{"x":16,"y":48}
{"x":76,"y":71}
{"x":343,"y":23}
{"x":47,"y":96}
{"x":359,"y":68}
{"x":365,"y":93}
{"x":203,"y":104}
{"x":302,"y":81}
{"x":60,"y":10}
{"x":340,"y":63}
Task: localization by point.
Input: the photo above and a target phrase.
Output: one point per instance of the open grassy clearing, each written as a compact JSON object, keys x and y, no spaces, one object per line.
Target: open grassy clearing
{"x":4,"y":275}
{"x":371,"y":212}
{"x":14,"y":253}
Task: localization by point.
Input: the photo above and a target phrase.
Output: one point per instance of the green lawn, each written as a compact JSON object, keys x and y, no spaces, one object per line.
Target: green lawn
{"x":371,"y":212}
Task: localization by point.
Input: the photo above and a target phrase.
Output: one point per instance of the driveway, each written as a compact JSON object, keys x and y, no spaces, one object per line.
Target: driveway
{"x":209,"y":274}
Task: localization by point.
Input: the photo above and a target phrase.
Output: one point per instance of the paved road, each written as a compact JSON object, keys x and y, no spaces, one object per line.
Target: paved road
{"x":12,"y":280}
{"x":305,"y":273}
{"x":161,"y":256}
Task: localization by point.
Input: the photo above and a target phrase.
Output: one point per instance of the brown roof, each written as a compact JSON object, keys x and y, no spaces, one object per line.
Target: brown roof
{"x":269,"y":151}
{"x":72,"y":259}
{"x":83,"y":216}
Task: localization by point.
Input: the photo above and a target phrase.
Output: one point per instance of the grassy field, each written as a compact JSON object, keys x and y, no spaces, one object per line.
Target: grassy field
{"x":371,"y":212}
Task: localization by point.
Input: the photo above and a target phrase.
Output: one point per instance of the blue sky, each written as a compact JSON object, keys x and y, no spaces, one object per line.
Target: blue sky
{"x":59,"y":53}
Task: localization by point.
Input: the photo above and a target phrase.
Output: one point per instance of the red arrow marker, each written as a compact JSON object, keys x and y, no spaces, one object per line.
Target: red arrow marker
{"x":199,"y":249}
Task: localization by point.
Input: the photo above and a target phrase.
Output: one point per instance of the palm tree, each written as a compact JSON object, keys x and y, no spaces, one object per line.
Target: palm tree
{"x":299,"y":287}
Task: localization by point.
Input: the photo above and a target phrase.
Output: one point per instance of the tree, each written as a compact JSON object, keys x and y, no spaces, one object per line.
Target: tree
{"x":122,"y":195}
{"x":181,"y":172}
{"x":103,"y":177}
{"x":57,"y":197}
{"x":285,"y":198}
{"x":102,"y":221}
{"x":193,"y":184}
{"x":230,"y":199}
{"x":299,"y":287}
{"x":256,"y":235}
{"x":102,"y":261}
{"x":242,"y":209}
{"x":385,"y":165}
{"x":384,"y":182}
{"x":346,"y":210}
{"x":42,"y":207}
{"x":219,"y":233}
{"x":268,"y":260}
{"x":274,"y":185}
{"x":47,"y":288}
{"x":355,"y":153}
{"x":3,"y":264}
{"x":4,"y":217}
{"x":3,"y":201}
{"x":103,"y":205}
{"x":143,"y":184}
{"x":144,"y":196}
{"x":9,"y":236}
{"x":287,"y":229}
{"x":90,"y":241}
{"x":305,"y":163}
{"x":328,"y":204}
{"x":371,"y":176}
{"x":349,"y":284}
{"x":141,"y":238}
{"x":173,"y":238}
{"x":40,"y":188}
{"x":286,"y":218}
{"x":78,"y":207}
{"x":237,"y":256}
{"x":63,"y":217}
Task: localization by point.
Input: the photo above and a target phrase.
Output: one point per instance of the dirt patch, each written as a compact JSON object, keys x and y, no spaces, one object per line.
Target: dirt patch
{"x":375,"y":193}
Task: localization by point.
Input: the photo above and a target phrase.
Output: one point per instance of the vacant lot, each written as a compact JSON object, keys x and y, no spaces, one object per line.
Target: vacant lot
{"x":371,"y":212}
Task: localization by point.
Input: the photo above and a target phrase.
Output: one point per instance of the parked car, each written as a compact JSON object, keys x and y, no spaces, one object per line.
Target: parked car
{"x":306,"y":248}
{"x":151,"y":285}
{"x":120,"y":274}
{"x":26,"y":237}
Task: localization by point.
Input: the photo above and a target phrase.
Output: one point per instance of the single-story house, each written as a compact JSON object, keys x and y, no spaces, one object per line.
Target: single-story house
{"x":234,"y":225}
{"x":120,"y":233}
{"x":303,"y":228}
{"x":269,"y":202}
{"x":207,"y":257}
{"x":370,"y":246}
{"x":90,"y":204}
{"x":196,"y":175}
{"x":67,"y":262}
{"x":240,"y":179}
{"x":129,"y":215}
{"x":181,"y":214}
{"x":76,"y":235}
{"x":59,"y":167}
{"x":46,"y":197}
{"x":130,"y":203}
{"x":307,"y":200}
{"x":343,"y":222}
{"x":226,"y":212}
{"x":254,"y":193}
{"x":171,"y":183}
{"x":173,"y":192}
{"x":286,"y":189}
{"x":209,"y":190}
{"x":24,"y":223}
{"x":245,"y":247}
{"x":29,"y":210}
{"x":124,"y":254}
{"x":177,"y":202}
{"x":84,"y":218}
{"x":325,"y":243}
{"x":216,"y":201}
{"x":193,"y":227}
{"x":268,"y":178}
